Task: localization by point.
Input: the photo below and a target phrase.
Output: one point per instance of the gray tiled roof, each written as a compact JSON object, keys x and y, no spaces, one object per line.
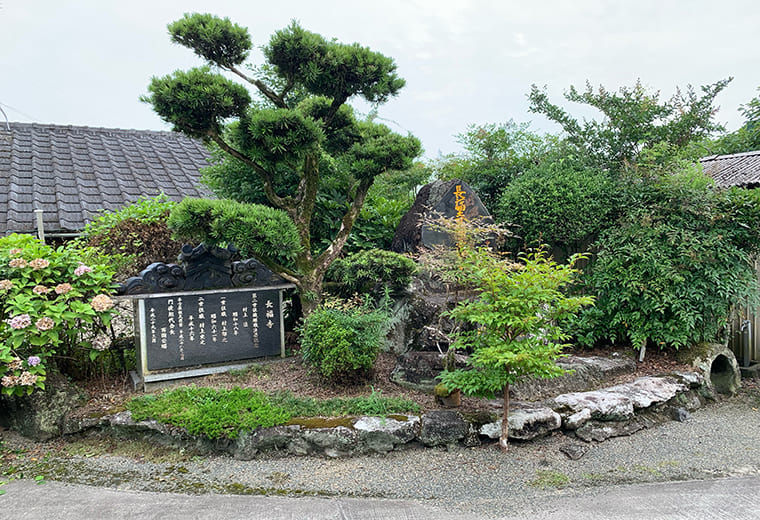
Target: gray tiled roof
{"x":739,"y":169}
{"x":73,"y":172}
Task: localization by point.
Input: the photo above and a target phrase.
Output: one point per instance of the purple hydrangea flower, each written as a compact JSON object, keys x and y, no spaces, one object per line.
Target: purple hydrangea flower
{"x":33,"y":361}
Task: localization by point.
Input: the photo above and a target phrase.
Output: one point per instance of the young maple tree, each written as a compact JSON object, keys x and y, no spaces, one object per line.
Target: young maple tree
{"x":516,"y":318}
{"x":298,"y":134}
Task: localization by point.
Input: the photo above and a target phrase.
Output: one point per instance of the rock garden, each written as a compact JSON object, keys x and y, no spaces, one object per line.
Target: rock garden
{"x":337,"y":298}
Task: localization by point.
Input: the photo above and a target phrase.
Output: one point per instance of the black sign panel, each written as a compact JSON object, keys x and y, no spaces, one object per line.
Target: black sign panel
{"x":187,"y":329}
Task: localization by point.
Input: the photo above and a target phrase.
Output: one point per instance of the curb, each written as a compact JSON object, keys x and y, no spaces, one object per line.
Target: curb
{"x":592,"y":416}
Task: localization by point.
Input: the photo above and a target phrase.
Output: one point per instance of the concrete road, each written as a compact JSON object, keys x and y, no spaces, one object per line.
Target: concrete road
{"x":731,"y":498}
{"x":735,"y":499}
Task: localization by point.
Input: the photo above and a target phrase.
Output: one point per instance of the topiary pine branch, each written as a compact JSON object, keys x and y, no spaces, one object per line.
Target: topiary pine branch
{"x":284,"y":203}
{"x":278,"y":101}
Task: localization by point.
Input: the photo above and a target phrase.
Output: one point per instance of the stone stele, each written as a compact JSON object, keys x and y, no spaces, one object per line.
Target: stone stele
{"x":450,"y":199}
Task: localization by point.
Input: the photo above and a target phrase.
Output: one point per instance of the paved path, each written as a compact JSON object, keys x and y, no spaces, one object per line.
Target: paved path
{"x":735,"y":499}
{"x":27,"y":500}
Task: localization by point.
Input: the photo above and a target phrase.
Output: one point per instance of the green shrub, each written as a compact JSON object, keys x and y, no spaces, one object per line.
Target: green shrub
{"x":56,"y":302}
{"x":370,"y":272}
{"x":258,"y":231}
{"x":341,"y":340}
{"x":670,"y":271}
{"x":561,"y":204}
{"x":377,"y":223}
{"x":135,"y":236}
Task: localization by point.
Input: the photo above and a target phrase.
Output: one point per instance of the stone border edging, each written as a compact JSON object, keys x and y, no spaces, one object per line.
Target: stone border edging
{"x":592,"y":416}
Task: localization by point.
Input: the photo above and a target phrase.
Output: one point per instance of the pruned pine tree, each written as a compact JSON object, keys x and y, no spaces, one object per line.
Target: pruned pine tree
{"x":297,"y":130}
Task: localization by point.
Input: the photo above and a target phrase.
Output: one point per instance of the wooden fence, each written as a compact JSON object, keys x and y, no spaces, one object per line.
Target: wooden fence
{"x":744,"y":333}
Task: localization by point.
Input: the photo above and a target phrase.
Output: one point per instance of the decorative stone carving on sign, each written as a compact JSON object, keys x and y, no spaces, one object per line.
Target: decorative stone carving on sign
{"x":203,"y":267}
{"x":207,"y":267}
{"x":450,"y":199}
{"x":252,"y":272}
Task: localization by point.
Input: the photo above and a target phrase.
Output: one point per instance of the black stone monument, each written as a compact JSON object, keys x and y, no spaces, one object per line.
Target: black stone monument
{"x":200,"y":317}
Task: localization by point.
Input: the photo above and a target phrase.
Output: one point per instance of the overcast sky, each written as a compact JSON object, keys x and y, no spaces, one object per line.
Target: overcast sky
{"x":83,"y":62}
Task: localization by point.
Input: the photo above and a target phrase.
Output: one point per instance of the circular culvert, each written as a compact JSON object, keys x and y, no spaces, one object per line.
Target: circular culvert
{"x":722,"y":375}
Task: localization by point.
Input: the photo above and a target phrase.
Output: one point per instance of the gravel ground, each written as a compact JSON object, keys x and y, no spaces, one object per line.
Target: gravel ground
{"x":719,"y":440}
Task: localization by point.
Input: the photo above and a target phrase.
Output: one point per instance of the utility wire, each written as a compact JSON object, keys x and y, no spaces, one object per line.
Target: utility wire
{"x":32,"y":118}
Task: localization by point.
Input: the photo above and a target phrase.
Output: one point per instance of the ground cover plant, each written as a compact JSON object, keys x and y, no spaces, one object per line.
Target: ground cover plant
{"x":217,"y":413}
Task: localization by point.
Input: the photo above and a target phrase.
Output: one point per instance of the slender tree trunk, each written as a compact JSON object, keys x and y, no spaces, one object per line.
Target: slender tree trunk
{"x":504,"y":439}
{"x":642,"y":350}
{"x":309,"y":290}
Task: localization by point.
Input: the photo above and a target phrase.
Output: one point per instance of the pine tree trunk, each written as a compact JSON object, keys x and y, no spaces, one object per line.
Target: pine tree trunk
{"x":309,"y":292}
{"x":504,"y":439}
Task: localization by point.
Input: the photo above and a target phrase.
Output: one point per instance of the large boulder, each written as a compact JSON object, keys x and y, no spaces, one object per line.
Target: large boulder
{"x":602,"y":405}
{"x":450,"y":199}
{"x":583,"y":373}
{"x":43,"y":414}
{"x":419,"y":323}
{"x":418,"y":370}
{"x":442,"y":428}
{"x":525,"y":424}
{"x":383,"y":434}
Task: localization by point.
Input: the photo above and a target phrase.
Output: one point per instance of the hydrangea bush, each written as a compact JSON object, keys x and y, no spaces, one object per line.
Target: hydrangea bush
{"x":52,"y":301}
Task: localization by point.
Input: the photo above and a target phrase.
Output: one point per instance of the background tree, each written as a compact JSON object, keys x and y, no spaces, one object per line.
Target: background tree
{"x":562,"y":202}
{"x":670,"y":253}
{"x":494,"y":155}
{"x":633,"y":120}
{"x":746,"y":138}
{"x":297,"y":140}
{"x":669,"y":270}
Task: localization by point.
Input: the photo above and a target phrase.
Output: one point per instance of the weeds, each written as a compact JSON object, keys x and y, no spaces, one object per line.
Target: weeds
{"x":549,"y":479}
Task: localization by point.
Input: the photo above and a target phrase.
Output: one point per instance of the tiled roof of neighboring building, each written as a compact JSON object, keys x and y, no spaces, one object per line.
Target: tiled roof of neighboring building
{"x":71,"y":173}
{"x":739,"y":169}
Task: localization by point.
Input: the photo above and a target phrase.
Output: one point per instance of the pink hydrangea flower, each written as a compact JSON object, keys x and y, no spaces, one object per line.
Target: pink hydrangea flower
{"x":39,"y":263}
{"x":9,"y":381}
{"x":79,"y":271}
{"x":40,"y":289}
{"x":15,"y":251}
{"x":101,"y":303}
{"x":44,"y":323}
{"x":63,"y":288}
{"x":27,"y":379}
{"x":18,"y":262}
{"x":21,"y":321}
{"x":6,"y":285}
{"x":14,"y":364}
